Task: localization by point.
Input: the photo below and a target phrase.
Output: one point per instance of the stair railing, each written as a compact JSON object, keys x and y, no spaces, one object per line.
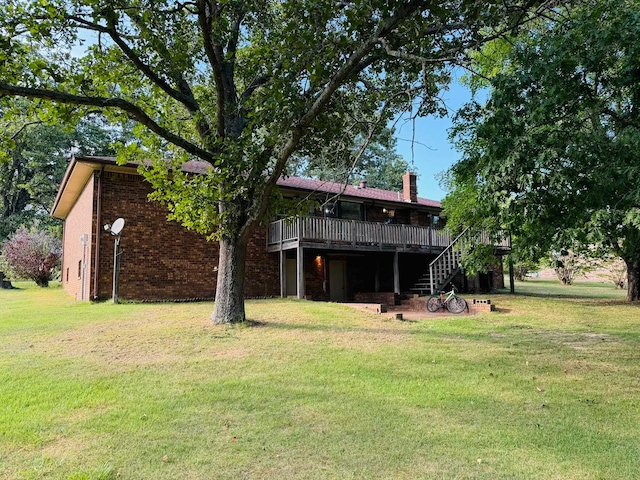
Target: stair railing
{"x":441,"y":269}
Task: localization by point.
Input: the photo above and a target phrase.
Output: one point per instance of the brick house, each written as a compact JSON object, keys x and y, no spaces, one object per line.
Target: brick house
{"x":364,"y":243}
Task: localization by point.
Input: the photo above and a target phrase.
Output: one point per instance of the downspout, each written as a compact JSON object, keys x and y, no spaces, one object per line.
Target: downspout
{"x":62,"y":270}
{"x":96,"y":258}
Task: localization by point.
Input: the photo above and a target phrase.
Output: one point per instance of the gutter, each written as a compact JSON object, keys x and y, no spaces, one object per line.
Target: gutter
{"x":96,"y":258}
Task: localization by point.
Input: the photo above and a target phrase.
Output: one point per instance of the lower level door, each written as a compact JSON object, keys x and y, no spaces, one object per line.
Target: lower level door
{"x":337,"y":280}
{"x":292,"y":277}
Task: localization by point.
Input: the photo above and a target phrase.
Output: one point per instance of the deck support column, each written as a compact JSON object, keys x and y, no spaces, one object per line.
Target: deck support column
{"x":512,"y":277}
{"x":376,"y":279}
{"x":396,"y":274}
{"x":283,"y":274}
{"x":300,"y":271}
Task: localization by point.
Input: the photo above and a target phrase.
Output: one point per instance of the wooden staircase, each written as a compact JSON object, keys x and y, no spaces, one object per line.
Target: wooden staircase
{"x":443,"y":268}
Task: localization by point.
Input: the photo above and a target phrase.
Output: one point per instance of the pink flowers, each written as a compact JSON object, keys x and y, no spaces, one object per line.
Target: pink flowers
{"x":33,"y":255}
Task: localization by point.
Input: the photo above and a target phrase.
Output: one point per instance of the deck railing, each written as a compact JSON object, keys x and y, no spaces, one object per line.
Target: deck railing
{"x":444,"y":266}
{"x":354,"y":232}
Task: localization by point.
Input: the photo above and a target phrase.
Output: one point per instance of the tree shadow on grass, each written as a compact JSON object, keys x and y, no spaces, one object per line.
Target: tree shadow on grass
{"x":571,"y":293}
{"x":323,"y":327}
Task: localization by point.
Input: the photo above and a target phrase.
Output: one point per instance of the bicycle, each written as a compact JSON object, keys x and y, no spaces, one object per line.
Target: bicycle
{"x":450,"y":300}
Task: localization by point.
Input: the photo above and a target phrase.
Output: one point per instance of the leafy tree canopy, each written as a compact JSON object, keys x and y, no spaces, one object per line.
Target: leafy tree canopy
{"x":35,"y":156}
{"x":552,"y":157}
{"x":374,"y":160}
{"x":241,"y":85}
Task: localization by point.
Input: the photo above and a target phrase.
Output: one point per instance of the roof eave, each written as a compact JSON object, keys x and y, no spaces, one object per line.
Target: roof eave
{"x":75,"y":179}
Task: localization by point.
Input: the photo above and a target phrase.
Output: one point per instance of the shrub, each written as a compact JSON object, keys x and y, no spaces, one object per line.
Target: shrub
{"x":32,"y":255}
{"x":613,"y":269}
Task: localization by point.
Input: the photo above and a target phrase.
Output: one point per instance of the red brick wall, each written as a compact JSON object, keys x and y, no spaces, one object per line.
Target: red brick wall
{"x":388,"y":298}
{"x":78,"y":223}
{"x":262,"y":272}
{"x":375,"y":214}
{"x":498,"y":274}
{"x":409,"y":187}
{"x":161,"y":260}
{"x":315,"y":266}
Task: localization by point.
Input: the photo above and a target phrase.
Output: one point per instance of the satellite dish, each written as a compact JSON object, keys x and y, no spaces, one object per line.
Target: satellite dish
{"x":117,"y":226}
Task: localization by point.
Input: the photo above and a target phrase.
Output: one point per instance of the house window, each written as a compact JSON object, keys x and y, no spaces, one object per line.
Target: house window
{"x":331,"y":210}
{"x":340,"y":209}
{"x":80,"y":269}
{"x":67,"y":276}
{"x":351,"y":211}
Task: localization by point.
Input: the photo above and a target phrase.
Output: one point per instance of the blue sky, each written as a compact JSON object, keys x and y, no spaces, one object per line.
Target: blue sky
{"x":432,"y":151}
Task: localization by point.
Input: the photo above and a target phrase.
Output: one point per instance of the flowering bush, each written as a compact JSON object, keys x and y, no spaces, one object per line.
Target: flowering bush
{"x":33,"y":255}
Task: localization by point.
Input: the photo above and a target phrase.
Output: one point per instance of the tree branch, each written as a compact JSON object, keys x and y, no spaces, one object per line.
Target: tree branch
{"x":137,"y":61}
{"x":182,"y":94}
{"x":24,"y":127}
{"x":257,"y":83}
{"x":216,"y":59}
{"x":354,"y":62}
{"x":232,"y":44}
{"x":411,"y":57}
{"x":134,"y":111}
{"x":187,"y":101}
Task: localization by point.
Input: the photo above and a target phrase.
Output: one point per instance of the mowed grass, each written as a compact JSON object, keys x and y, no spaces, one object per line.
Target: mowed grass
{"x":546,"y":387}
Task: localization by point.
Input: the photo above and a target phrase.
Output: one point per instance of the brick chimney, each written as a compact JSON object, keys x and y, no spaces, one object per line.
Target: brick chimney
{"x":410,"y":187}
{"x":363,"y":184}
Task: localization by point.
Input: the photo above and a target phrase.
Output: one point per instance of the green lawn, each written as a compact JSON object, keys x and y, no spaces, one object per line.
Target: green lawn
{"x":546,"y":387}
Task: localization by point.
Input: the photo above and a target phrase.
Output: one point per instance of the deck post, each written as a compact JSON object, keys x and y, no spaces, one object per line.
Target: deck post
{"x":300,"y":271}
{"x":353,"y":232}
{"x":512,"y":276}
{"x":396,"y":274}
{"x":283,"y":273}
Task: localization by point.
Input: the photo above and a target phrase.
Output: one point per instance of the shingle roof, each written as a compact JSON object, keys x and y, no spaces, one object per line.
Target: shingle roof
{"x":320,"y":186}
{"x":350,"y":191}
{"x":198,"y":167}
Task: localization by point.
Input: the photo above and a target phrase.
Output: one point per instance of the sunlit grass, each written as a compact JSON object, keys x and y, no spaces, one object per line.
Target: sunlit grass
{"x":546,"y":387}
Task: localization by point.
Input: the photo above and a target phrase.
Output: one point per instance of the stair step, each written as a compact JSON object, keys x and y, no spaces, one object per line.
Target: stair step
{"x":442,"y":270}
{"x":423,"y":291}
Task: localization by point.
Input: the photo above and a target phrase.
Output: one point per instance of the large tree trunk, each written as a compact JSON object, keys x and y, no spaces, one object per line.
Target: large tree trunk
{"x":229,"y":303}
{"x":633,"y":280}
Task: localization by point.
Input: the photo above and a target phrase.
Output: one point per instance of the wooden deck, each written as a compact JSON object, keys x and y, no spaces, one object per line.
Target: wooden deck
{"x":331,"y":233}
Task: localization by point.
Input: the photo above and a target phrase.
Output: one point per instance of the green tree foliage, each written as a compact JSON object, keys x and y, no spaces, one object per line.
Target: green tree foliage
{"x":241,"y":85}
{"x":522,"y":267}
{"x":374,"y":160}
{"x":34,"y":255}
{"x":552,"y":157}
{"x":382,"y":167}
{"x":35,"y":158}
